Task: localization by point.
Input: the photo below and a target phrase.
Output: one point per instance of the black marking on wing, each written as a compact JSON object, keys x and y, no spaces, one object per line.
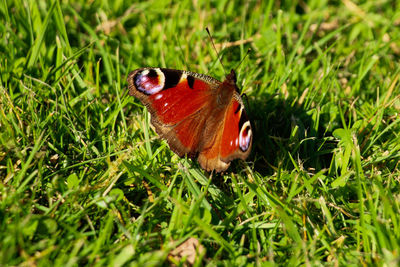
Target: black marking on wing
{"x":243,"y":119}
{"x":190,"y":80}
{"x":172,"y":77}
{"x":238,"y":108}
{"x":152,"y":73}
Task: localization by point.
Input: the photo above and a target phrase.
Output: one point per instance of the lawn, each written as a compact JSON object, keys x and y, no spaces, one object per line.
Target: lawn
{"x":85,"y":180}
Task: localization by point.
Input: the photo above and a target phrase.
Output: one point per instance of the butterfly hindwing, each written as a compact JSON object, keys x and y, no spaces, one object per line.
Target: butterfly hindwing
{"x":232,"y":141}
{"x":237,"y":134}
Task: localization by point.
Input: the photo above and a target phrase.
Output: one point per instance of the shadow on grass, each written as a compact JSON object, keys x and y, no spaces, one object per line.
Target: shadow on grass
{"x":282,"y":128}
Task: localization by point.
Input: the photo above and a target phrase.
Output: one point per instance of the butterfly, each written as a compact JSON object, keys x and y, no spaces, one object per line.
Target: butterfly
{"x":196,"y":114}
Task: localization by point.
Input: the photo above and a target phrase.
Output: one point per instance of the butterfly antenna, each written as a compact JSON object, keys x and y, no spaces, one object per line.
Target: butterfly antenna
{"x":216,"y":51}
{"x":247,"y":53}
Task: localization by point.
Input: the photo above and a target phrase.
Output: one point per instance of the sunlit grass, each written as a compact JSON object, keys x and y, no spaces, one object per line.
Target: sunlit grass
{"x":85,"y":180}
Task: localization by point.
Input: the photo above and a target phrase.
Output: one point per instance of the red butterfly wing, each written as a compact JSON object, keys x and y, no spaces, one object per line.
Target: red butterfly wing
{"x":237,"y":136}
{"x":176,"y":100}
{"x":233,"y":140}
{"x":195,"y":113}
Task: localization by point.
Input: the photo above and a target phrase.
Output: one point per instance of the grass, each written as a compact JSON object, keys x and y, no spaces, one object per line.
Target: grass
{"x":86,"y":181}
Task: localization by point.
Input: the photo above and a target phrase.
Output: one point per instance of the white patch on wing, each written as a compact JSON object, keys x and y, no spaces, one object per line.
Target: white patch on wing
{"x":245,"y":138}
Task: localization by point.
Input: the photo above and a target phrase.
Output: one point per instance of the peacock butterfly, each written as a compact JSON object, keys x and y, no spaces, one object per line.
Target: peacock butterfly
{"x":198,"y":115}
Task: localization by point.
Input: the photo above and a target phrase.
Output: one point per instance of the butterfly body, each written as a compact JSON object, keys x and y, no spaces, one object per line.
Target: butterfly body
{"x":198,"y":115}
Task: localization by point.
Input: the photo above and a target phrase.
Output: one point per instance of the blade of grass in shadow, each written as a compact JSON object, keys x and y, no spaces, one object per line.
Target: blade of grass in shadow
{"x":38,"y":144}
{"x":194,"y":189}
